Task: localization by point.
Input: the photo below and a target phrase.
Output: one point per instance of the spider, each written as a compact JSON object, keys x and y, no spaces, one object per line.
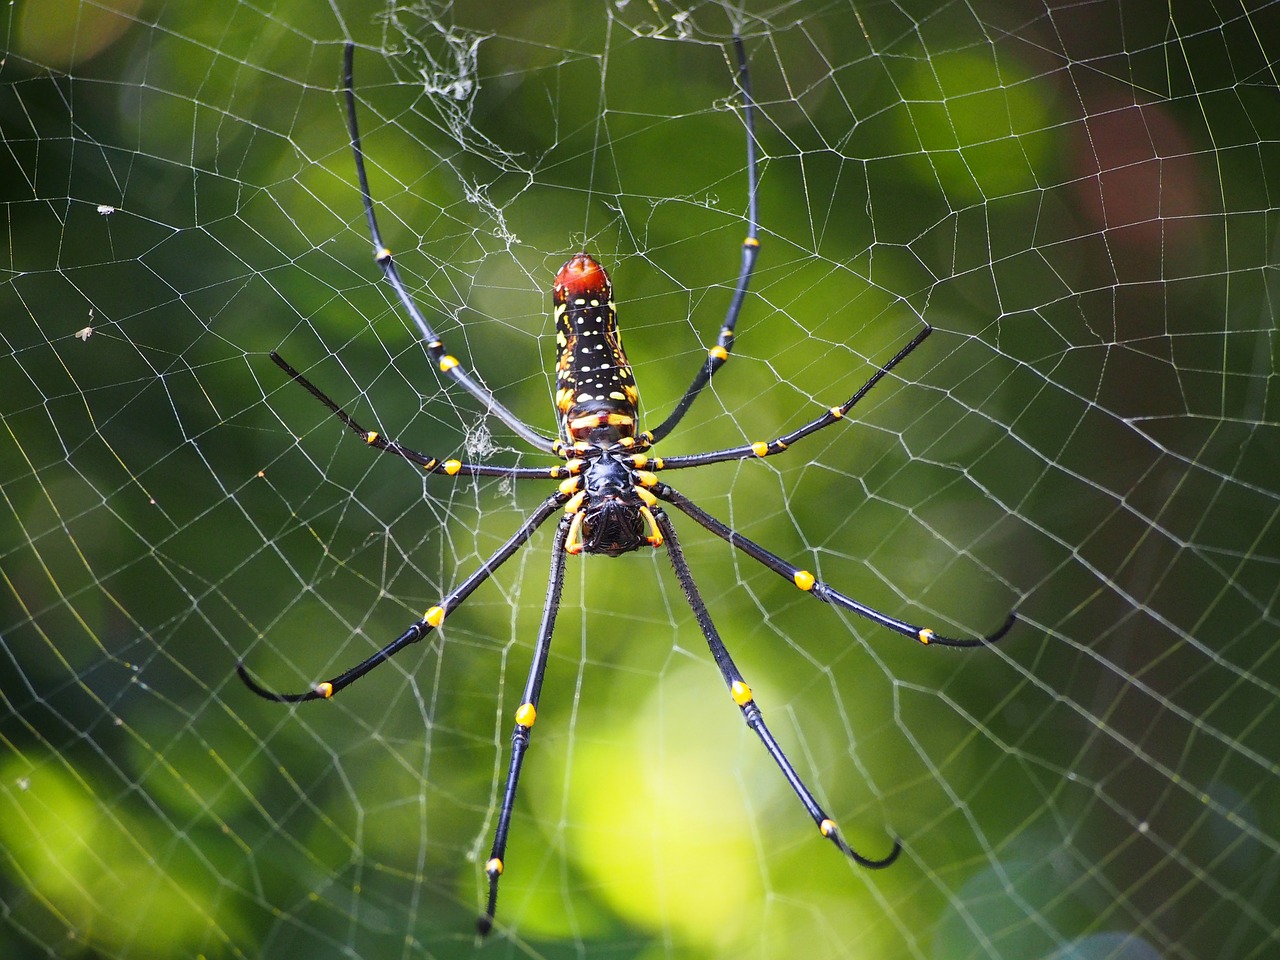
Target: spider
{"x":608,"y":496}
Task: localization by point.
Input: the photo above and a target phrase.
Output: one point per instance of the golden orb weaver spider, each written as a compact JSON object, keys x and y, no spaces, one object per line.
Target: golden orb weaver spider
{"x":609,"y":495}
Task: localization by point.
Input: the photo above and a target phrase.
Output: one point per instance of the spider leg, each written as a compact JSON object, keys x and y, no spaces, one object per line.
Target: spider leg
{"x":808,"y":582}
{"x":745,"y":700}
{"x":526,"y":714}
{"x":430,"y":620}
{"x":763,"y":449}
{"x":435,"y":347}
{"x":453,"y":468}
{"x":719,"y":354}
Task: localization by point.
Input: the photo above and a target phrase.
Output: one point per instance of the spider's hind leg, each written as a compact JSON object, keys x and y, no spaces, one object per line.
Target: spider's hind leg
{"x":719,"y":354}
{"x":384,"y":444}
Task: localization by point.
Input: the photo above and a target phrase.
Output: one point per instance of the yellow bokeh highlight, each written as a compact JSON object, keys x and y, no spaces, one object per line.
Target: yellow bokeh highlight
{"x":94,"y":864}
{"x":660,"y":830}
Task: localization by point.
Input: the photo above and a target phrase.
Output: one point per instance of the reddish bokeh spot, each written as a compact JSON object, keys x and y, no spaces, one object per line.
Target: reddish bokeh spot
{"x":1140,"y":185}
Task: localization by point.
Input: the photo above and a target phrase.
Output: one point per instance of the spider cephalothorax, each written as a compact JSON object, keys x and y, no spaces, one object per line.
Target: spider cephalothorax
{"x":610,"y":507}
{"x":609,"y":495}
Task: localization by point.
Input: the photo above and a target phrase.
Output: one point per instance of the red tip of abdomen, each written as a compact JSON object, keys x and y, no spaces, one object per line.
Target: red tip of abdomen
{"x":581,"y":277}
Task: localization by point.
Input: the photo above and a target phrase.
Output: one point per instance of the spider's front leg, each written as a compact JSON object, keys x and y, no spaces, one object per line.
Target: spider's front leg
{"x":807,"y":582}
{"x":810,"y":584}
{"x":745,"y":699}
{"x":526,"y":714}
{"x":420,"y":628}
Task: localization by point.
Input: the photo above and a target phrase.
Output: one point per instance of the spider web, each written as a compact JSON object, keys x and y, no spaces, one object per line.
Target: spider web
{"x":1081,"y":199}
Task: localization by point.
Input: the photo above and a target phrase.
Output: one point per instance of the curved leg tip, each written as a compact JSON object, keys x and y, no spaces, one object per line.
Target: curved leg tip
{"x":266,"y":694}
{"x":1004,"y":628}
{"x":832,"y":833}
{"x":929,"y":637}
{"x":885,"y":861}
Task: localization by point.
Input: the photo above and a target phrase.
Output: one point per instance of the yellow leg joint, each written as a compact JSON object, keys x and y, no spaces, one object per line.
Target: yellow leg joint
{"x":741,"y":693}
{"x":494,"y":867}
{"x":451,"y":467}
{"x":371,"y":437}
{"x":573,"y":542}
{"x":655,"y":535}
{"x":447,"y":363}
{"x":804,"y":579}
{"x":760,"y":448}
{"x":526,"y":715}
{"x":382,"y":255}
{"x":751,"y":242}
{"x":434,"y":616}
{"x":718,"y":353}
{"x":828,"y":827}
{"x":325,"y":689}
{"x":925,"y":635}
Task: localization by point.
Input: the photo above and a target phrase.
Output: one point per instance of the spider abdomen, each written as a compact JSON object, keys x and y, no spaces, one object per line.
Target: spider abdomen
{"x":596,"y":392}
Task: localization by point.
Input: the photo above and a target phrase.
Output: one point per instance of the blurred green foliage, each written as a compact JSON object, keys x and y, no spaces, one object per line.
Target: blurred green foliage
{"x":1081,"y":203}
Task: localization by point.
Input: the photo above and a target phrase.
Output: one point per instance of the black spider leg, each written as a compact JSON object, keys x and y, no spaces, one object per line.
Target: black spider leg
{"x":809,"y":583}
{"x":430,"y":620}
{"x":526,"y":714}
{"x":453,"y":468}
{"x":719,"y":354}
{"x":763,"y":449}
{"x":435,"y":347}
{"x":745,"y":700}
